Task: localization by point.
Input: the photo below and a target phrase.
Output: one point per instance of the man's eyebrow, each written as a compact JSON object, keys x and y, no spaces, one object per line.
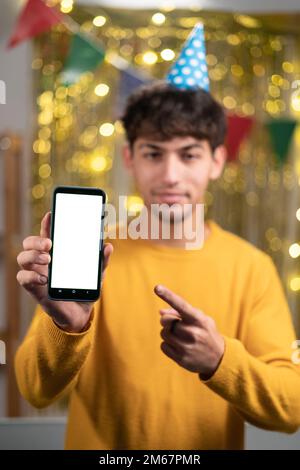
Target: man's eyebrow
{"x":154,"y":146}
{"x":188,"y":147}
{"x":185,"y":147}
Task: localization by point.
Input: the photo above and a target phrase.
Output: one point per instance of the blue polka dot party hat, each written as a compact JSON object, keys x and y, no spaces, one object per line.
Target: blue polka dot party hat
{"x":190,"y":69}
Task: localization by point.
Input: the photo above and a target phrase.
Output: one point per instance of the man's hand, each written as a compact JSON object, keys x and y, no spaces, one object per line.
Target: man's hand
{"x":195,"y":342}
{"x":70,"y":316}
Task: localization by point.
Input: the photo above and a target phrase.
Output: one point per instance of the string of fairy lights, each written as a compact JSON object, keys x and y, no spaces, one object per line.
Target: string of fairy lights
{"x":252,"y":72}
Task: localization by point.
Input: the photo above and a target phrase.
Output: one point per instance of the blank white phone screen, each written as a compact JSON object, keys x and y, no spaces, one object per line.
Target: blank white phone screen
{"x":76,"y":241}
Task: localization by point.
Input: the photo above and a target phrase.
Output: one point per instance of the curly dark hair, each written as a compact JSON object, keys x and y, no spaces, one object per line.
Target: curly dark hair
{"x":162,"y":112}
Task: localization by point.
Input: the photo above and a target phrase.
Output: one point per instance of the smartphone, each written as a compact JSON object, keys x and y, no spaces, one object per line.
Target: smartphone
{"x":77,"y":227}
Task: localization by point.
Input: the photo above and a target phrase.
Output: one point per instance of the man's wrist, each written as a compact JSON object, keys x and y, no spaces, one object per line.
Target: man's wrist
{"x":73,"y":329}
{"x":206,"y":375}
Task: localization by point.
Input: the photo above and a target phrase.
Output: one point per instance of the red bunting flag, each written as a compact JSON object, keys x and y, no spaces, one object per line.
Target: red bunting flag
{"x":35,"y":18}
{"x":238,"y":130}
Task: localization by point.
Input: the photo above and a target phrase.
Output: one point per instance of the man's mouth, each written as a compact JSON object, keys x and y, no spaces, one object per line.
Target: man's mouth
{"x":170,"y":197}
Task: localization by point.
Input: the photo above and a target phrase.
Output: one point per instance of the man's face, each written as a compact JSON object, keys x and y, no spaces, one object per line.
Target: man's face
{"x":174,"y":171}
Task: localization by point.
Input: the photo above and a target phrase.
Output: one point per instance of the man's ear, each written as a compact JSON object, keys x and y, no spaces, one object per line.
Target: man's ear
{"x":218,"y":162}
{"x":127,"y":157}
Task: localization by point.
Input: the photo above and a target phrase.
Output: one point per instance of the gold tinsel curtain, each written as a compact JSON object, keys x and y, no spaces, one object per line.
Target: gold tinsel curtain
{"x":253,"y":63}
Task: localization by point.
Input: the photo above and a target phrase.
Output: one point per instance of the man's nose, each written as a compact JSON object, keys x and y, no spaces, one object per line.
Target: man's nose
{"x":171,"y":170}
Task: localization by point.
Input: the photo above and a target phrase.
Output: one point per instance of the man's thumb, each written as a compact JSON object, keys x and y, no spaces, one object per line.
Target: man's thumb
{"x":45,"y":225}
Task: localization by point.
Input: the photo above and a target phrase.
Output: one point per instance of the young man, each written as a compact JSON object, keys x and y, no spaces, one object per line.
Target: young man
{"x":138,"y":379}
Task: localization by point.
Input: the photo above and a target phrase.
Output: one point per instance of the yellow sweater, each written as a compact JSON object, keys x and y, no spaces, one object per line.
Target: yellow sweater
{"x":126,"y":394}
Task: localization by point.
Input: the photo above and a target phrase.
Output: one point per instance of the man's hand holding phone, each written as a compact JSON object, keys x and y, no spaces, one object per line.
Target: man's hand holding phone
{"x":70,"y":316}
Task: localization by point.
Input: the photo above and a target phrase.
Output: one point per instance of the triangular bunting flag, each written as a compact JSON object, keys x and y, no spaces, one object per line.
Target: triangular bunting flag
{"x":83,"y":56}
{"x":281,"y":132}
{"x":127,"y":84}
{"x":35,"y":18}
{"x":238,"y":129}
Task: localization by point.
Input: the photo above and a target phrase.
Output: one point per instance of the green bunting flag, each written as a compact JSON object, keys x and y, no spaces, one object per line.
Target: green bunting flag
{"x":281,"y":132}
{"x":83,"y":57}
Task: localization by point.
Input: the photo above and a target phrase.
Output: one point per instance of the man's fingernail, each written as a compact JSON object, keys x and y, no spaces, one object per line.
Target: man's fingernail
{"x":159,"y":289}
{"x":43,"y":279}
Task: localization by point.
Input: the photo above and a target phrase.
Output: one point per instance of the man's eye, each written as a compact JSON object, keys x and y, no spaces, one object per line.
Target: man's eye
{"x":152,"y":155}
{"x":189,"y":156}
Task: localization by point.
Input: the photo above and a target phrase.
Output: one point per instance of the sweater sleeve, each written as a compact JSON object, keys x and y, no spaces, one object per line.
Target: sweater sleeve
{"x":257,"y":374}
{"x":48,"y":361}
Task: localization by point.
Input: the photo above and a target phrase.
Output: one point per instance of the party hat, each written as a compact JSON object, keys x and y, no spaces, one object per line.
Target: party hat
{"x":190,"y":69}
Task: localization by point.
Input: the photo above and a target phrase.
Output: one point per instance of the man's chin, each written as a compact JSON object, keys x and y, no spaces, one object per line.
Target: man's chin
{"x":172,"y":213}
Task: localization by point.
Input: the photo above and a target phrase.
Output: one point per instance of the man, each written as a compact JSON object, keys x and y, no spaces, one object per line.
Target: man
{"x":137,"y":378}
